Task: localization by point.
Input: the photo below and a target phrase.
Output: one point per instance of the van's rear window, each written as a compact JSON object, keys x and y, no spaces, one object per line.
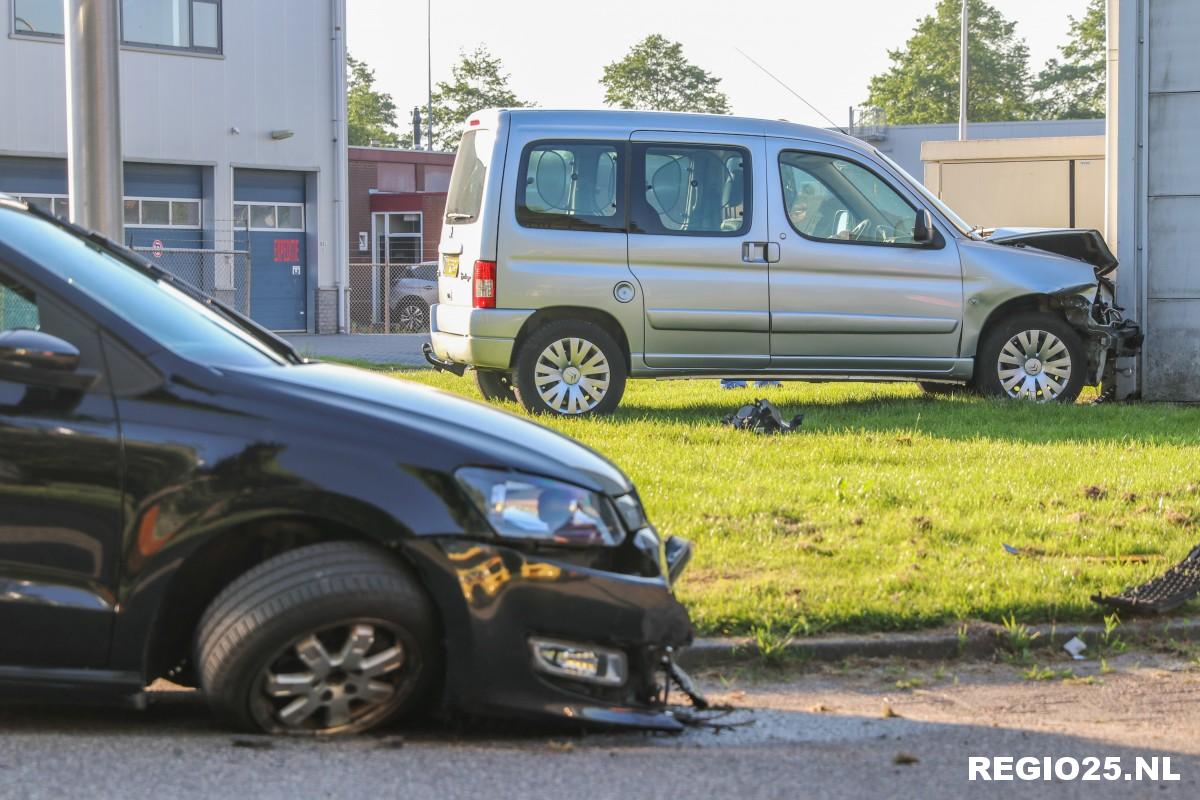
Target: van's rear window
{"x":465,"y":196}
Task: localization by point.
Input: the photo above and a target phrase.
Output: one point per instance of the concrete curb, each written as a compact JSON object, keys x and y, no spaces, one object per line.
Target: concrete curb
{"x":980,"y":640}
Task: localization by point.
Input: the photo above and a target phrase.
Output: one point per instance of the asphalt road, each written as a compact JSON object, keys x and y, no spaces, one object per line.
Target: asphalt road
{"x":814,"y":734}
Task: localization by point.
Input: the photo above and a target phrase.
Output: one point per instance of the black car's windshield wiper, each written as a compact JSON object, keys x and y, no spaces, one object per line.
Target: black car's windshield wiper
{"x":138,"y":262}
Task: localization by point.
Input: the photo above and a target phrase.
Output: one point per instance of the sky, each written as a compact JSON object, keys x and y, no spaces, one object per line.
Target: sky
{"x":555,"y":50}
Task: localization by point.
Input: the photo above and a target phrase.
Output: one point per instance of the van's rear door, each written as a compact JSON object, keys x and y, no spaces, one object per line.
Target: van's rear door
{"x":698,"y":246}
{"x":472,"y":203}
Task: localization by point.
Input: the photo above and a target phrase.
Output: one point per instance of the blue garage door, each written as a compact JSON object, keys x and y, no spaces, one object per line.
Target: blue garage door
{"x":269,"y":221}
{"x":163,"y":208}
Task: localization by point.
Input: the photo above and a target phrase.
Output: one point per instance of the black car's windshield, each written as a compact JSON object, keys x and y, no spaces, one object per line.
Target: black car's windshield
{"x":166,"y":314}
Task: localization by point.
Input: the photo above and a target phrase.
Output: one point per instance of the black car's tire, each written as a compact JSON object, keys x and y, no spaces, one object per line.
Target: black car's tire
{"x":944,"y":389}
{"x":495,"y":386}
{"x":376,"y":656}
{"x":570,"y":368}
{"x":1031,"y":356}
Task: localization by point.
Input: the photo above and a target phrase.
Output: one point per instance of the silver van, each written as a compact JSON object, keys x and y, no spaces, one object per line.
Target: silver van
{"x":582,"y":248}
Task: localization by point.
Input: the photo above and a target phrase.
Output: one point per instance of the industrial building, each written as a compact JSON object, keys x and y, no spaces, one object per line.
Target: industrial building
{"x":233,"y":130}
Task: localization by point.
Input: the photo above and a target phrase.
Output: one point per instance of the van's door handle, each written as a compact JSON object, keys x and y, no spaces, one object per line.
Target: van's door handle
{"x":754,"y":252}
{"x":772,"y":252}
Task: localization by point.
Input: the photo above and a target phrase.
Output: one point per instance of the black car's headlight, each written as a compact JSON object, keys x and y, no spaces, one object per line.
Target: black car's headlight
{"x":520,"y":506}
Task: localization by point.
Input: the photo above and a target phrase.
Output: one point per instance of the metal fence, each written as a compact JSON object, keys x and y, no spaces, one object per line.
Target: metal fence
{"x":223,"y":274}
{"x":391,"y":298}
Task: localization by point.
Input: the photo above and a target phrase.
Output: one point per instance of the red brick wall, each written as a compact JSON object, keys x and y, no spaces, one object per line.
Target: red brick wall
{"x":361,"y":180}
{"x":363,"y":177}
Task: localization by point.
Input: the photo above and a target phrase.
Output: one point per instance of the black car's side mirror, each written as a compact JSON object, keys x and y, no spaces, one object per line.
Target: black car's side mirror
{"x":34,"y":358}
{"x":923,"y":230}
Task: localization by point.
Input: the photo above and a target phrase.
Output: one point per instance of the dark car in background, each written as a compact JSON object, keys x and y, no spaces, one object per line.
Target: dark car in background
{"x":320,"y":549}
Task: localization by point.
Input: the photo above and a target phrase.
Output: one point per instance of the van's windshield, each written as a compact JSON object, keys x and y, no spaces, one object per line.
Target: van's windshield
{"x":465,"y":196}
{"x":963,"y":226}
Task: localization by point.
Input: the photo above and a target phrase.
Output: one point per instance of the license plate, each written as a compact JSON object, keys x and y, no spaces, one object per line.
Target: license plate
{"x":450,"y":266}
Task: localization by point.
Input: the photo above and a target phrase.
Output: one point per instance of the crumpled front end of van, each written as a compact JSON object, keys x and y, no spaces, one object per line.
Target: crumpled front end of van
{"x":1091,"y":309}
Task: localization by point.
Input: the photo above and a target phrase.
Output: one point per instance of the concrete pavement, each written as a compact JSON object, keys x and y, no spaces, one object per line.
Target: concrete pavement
{"x":378,"y":348}
{"x":817,"y":734}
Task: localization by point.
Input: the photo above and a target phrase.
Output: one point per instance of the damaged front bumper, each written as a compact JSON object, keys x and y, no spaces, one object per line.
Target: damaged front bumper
{"x":1108,"y":335}
{"x":534,"y":635}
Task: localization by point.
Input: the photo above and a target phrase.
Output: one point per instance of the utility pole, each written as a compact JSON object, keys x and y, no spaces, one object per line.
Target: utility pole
{"x":964,"y":68}
{"x":95,"y":176}
{"x":429,"y":74}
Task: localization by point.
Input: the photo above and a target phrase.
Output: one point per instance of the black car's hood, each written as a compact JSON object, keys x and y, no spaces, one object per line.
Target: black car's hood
{"x":488,"y":435}
{"x":1078,"y":243}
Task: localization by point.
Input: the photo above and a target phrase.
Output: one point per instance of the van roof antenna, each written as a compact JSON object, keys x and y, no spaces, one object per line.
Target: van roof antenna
{"x":793,"y":91}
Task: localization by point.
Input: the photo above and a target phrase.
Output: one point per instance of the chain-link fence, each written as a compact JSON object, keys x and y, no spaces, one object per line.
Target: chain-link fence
{"x":223,"y":274}
{"x":392,"y":298}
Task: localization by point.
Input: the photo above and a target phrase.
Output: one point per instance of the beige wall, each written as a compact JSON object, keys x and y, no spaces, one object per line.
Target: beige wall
{"x":1020,"y":182}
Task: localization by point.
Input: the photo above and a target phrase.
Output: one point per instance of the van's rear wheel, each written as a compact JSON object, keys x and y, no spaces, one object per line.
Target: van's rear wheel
{"x":572,"y":368}
{"x":1031,"y":356}
{"x":495,"y":386}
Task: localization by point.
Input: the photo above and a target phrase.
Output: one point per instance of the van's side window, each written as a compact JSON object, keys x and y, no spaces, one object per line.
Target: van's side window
{"x":691,"y":189}
{"x":572,"y":186}
{"x":833,"y":199}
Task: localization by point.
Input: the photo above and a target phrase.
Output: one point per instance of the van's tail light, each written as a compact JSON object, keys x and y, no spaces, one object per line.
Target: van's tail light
{"x":484,"y":284}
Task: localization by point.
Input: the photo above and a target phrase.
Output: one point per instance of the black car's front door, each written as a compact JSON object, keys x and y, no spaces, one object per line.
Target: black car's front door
{"x":60,"y":498}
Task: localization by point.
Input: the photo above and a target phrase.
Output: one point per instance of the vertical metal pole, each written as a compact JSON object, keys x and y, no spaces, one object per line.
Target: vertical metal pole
{"x":964,"y":69}
{"x":429,"y":75}
{"x":95,"y":178}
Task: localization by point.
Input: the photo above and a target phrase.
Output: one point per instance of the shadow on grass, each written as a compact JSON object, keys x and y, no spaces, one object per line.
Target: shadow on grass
{"x":953,"y":418}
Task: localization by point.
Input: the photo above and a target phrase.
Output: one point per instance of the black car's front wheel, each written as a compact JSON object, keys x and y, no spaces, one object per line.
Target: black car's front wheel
{"x":333,"y":638}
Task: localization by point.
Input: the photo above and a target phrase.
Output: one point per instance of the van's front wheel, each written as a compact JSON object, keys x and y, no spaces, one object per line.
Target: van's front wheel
{"x":572,"y":368}
{"x":1032,"y":356}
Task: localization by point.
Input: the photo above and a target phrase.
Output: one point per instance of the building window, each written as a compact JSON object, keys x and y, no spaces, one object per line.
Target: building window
{"x":398,"y":238}
{"x":175,"y":24}
{"x":154,"y":212}
{"x":38,"y":17}
{"x":172,"y":24}
{"x":268,"y":216}
{"x":55,"y":204}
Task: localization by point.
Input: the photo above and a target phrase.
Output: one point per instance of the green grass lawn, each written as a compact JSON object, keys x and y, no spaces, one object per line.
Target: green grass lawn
{"x":888,"y":510}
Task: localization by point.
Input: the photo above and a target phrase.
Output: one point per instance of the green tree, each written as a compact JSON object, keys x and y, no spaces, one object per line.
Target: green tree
{"x":477,"y":81}
{"x":921,"y":86}
{"x":1074,"y":87}
{"x":655,"y":76}
{"x":370,"y":115}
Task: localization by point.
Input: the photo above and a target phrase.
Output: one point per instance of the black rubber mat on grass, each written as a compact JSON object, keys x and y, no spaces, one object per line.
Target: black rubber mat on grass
{"x":1168,"y":591}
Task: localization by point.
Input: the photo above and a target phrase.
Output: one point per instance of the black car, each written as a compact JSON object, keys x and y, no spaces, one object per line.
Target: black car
{"x":319,"y":548}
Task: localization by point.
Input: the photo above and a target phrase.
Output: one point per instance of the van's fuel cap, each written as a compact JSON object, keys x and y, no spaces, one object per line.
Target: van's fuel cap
{"x":624,"y":292}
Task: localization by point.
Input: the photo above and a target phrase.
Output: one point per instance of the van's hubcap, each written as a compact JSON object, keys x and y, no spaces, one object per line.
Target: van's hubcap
{"x":1034,"y":365}
{"x":327,"y":681}
{"x":572,"y":376}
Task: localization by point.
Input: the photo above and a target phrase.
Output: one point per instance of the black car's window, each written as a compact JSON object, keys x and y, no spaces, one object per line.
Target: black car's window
{"x":691,"y":189}
{"x":834,"y":200}
{"x":18,"y":306}
{"x":162,"y":312}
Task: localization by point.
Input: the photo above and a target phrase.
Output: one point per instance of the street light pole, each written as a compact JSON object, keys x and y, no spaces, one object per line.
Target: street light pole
{"x":964,"y":68}
{"x":95,"y":177}
{"x":429,"y":74}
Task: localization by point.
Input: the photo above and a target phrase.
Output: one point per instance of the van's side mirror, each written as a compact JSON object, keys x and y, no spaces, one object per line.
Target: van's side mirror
{"x":923,"y":227}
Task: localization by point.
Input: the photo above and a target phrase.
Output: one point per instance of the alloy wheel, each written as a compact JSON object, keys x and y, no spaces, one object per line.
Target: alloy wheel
{"x":412,"y":317}
{"x":572,"y":375}
{"x":1034,"y":365}
{"x":324,"y":682}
